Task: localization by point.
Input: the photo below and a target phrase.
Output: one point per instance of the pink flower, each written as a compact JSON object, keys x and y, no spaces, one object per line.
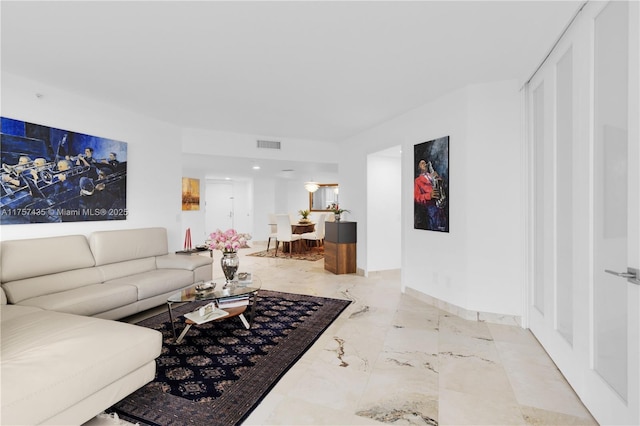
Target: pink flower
{"x":228,"y":241}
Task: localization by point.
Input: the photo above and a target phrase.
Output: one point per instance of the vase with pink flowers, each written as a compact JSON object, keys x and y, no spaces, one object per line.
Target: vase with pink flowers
{"x":228,"y":242}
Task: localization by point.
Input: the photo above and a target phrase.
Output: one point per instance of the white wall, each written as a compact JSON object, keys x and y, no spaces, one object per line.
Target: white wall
{"x":478,"y":264}
{"x":153,"y":173}
{"x":264,"y":202}
{"x":496,"y":235}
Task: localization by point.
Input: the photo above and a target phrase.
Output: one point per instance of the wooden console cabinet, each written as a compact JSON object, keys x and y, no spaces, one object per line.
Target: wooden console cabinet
{"x":340,"y":240}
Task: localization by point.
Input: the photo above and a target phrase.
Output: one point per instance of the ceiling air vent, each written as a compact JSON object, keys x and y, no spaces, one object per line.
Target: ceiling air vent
{"x":268,"y":144}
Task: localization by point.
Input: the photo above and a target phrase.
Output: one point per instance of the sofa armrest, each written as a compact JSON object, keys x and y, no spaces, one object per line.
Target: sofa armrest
{"x":181,"y":261}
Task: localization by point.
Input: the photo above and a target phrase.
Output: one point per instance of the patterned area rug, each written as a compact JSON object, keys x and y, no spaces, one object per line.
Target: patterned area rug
{"x":221,"y":371}
{"x":313,"y":254}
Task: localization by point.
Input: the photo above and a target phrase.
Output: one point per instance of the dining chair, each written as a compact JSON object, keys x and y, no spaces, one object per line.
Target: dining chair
{"x":284,"y":232}
{"x":318,"y":234}
{"x":273,"y":230}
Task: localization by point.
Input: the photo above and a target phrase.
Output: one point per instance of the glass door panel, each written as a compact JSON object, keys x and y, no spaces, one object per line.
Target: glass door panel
{"x":539,"y":198}
{"x":564,"y":197}
{"x":610,"y":194}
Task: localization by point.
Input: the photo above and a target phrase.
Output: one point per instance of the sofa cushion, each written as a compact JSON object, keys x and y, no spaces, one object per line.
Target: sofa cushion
{"x":125,"y":268}
{"x":117,"y":246}
{"x":51,"y":361}
{"x":181,"y":261}
{"x":3,"y":297}
{"x":8,"y":312}
{"x":153,"y":283}
{"x":88,"y":300}
{"x":19,"y":290}
{"x":43,"y":256}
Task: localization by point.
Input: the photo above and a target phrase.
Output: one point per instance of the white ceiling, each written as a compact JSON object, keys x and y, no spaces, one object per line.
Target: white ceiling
{"x":314,"y":70}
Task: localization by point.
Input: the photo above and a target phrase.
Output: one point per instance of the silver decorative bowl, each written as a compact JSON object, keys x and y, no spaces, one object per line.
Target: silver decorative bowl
{"x":206,"y":286}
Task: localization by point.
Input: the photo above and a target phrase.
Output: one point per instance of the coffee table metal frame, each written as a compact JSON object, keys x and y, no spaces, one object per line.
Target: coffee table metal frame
{"x":217,"y":295}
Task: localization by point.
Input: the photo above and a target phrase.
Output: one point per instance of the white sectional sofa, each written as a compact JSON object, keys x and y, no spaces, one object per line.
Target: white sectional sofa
{"x":110,"y":274}
{"x":62,"y":358}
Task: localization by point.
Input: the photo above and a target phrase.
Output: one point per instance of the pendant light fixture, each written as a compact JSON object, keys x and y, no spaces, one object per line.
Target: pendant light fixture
{"x":311,"y":186}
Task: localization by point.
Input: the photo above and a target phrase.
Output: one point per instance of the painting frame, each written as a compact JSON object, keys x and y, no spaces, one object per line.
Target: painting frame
{"x":52,"y":175}
{"x":431,"y":185}
{"x":190,"y":194}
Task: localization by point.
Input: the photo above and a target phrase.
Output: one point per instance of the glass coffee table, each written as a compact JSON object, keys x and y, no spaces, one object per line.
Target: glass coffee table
{"x":230,"y":298}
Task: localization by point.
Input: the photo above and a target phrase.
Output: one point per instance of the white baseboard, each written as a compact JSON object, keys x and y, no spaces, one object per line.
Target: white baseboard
{"x":465,"y":313}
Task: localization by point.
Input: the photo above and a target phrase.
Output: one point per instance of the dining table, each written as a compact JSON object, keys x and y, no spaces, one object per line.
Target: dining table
{"x":301,"y":228}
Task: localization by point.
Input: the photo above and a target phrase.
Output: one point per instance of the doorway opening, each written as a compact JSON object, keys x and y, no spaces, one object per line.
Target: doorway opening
{"x":384,"y":227}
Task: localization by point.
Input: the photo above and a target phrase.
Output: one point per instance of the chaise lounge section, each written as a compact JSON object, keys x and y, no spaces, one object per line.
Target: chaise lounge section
{"x":63,"y":369}
{"x":63,"y":360}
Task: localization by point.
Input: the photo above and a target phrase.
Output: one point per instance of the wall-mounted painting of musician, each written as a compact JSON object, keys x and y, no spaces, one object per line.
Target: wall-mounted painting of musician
{"x":52,"y":175}
{"x":431,"y":185}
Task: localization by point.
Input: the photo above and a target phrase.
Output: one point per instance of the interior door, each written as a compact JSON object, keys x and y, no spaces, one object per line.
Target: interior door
{"x":584,"y":137}
{"x":616,"y":190}
{"x":220,"y":206}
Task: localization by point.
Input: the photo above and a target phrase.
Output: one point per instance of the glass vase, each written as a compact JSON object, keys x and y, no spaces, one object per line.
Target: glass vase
{"x":229,"y":263}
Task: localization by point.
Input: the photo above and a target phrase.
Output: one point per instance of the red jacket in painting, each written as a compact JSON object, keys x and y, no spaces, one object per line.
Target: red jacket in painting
{"x":422,"y":189}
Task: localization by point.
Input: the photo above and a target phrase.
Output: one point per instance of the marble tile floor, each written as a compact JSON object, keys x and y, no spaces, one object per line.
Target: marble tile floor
{"x":392,"y":359}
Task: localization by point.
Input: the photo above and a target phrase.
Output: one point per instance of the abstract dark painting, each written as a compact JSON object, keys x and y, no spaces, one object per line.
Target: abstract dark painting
{"x":431,"y":185}
{"x":51,"y":175}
